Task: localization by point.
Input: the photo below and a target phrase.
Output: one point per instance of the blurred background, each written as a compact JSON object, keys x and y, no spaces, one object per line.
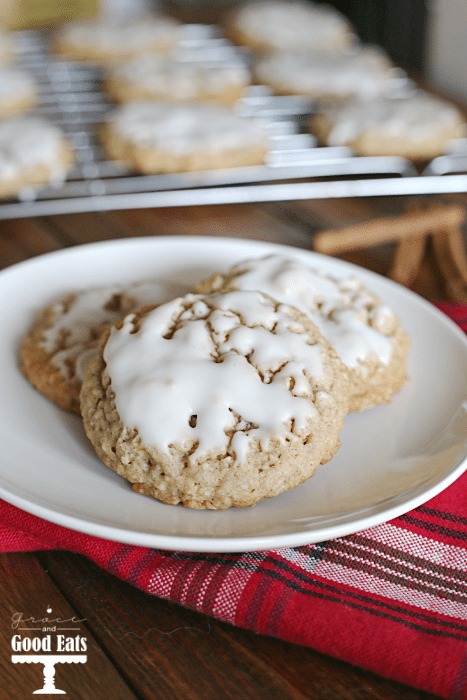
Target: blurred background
{"x":427,"y":37}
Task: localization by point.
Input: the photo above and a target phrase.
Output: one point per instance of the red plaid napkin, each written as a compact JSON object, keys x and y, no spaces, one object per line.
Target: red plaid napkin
{"x":391,"y":599}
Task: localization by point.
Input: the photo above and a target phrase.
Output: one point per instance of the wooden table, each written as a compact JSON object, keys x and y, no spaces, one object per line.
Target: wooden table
{"x":140,"y":646}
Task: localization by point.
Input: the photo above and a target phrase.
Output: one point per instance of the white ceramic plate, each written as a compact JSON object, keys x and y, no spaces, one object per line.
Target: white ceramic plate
{"x":392,"y":458}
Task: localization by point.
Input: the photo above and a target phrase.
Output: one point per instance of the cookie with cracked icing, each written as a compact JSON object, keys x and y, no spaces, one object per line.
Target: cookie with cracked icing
{"x":33,"y":153}
{"x":365,"y":333}
{"x":18,"y":92}
{"x":296,"y":25}
{"x":156,"y":137}
{"x":103,"y":41}
{"x":65,"y":334}
{"x":363,"y":72}
{"x":418,"y":126}
{"x":215,"y":401}
{"x":168,"y":78}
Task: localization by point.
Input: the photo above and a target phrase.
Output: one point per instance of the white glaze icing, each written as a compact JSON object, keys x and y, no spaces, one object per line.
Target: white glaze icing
{"x":236,"y":361}
{"x":15,"y":84}
{"x":27,"y":142}
{"x":349,"y":316}
{"x":365,"y":72}
{"x":131,"y":37}
{"x":186,"y":128}
{"x":416,"y":117}
{"x":295,"y":25}
{"x":77,"y":323}
{"x":181,"y":80}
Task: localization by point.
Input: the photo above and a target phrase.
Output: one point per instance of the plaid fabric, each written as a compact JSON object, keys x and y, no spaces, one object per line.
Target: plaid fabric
{"x":391,"y":599}
{"x":458,"y":313}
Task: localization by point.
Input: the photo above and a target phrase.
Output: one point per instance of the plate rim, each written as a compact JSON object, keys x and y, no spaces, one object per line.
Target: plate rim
{"x":182,"y":543}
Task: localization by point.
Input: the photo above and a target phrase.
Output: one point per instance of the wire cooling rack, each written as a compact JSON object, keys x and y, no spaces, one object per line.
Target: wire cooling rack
{"x":296,"y":168}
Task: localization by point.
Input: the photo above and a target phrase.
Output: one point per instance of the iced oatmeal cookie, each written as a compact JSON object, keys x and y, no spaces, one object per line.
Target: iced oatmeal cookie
{"x":282,"y":24}
{"x":66,"y":333}
{"x":167,"y":78}
{"x":33,"y":153}
{"x":418,"y":126}
{"x":103,"y":41}
{"x":153,"y":137}
{"x":365,"y":333}
{"x":365,"y":73}
{"x":215,"y":401}
{"x":18,"y":92}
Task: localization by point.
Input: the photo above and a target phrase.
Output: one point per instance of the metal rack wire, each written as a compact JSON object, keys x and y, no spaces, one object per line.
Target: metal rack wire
{"x":296,"y":169}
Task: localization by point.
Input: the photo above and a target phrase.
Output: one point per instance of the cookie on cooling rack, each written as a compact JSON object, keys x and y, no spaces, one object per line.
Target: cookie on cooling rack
{"x":214,"y":401}
{"x":18,"y":92}
{"x":418,"y":126}
{"x":364,"y":72}
{"x":294,"y":25}
{"x":33,"y":153}
{"x":156,"y":137}
{"x":365,"y":333}
{"x":104,"y":41}
{"x":66,"y":333}
{"x":167,"y":78}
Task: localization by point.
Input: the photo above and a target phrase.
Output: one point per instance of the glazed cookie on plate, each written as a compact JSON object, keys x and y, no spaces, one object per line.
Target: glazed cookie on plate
{"x":103,"y":41}
{"x":155,"y":137}
{"x":33,"y":153}
{"x":364,"y":73}
{"x":215,"y":401}
{"x":66,"y":333}
{"x":282,"y":24}
{"x":18,"y":92}
{"x":365,"y":333}
{"x":418,"y":126}
{"x":154,"y":77}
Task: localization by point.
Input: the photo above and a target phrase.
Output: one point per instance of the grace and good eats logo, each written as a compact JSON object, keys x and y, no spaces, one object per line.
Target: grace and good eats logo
{"x":56,"y":641}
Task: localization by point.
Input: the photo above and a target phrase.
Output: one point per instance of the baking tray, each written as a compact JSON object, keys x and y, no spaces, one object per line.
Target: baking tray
{"x":296,"y":168}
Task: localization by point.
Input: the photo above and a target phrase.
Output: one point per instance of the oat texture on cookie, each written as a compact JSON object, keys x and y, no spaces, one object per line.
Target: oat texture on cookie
{"x":215,"y":401}
{"x":65,"y":334}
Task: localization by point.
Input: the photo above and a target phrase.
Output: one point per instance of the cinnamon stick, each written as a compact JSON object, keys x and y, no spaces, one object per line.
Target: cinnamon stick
{"x":389,"y":229}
